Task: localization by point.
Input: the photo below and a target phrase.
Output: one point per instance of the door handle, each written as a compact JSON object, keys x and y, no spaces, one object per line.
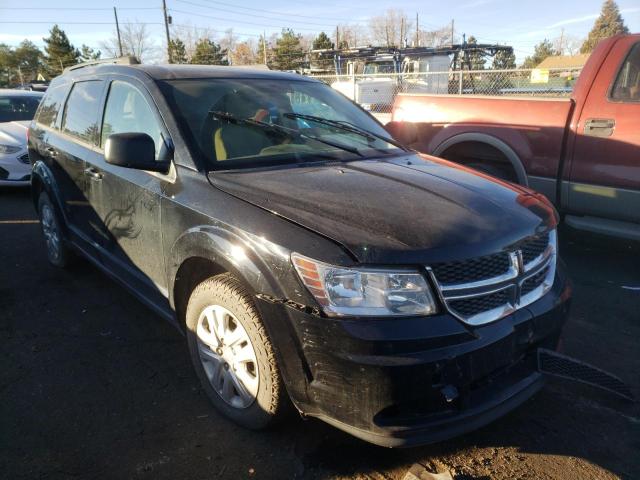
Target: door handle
{"x":599,"y":127}
{"x":93,"y":174}
{"x":52,"y":152}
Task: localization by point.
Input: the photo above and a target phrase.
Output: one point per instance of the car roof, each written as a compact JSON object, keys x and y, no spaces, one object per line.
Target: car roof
{"x":174,"y":72}
{"x":5,"y":92}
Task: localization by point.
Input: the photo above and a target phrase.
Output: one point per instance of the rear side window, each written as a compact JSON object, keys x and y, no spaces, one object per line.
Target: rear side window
{"x":81,"y":112}
{"x":127,"y":111}
{"x":627,"y":85}
{"x":19,"y":107}
{"x":50,"y":106}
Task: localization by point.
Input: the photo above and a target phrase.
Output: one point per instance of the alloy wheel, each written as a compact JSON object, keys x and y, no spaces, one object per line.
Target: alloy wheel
{"x":227,"y":356}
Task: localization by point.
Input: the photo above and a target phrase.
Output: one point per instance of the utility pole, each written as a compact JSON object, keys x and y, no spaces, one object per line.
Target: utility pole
{"x":264,"y":46}
{"x":337,"y":37}
{"x":417,"y":31}
{"x":402,"y":32}
{"x":166,"y":29}
{"x":452,"y":25}
{"x":115,"y":14}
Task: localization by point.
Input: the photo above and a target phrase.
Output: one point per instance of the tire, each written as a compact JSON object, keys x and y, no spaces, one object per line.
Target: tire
{"x":239,"y":371}
{"x":58,"y":252}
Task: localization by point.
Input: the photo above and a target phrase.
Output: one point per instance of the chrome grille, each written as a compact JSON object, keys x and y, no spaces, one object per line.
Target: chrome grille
{"x":471,"y":306}
{"x":472,"y":270}
{"x":534,"y":248}
{"x":485,"y":289}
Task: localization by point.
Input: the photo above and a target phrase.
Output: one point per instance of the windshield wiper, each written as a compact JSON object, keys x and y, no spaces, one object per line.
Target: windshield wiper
{"x":290,"y":132}
{"x":347,"y":127}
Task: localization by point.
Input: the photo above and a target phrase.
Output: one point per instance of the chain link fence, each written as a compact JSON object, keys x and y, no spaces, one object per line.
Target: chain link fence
{"x":376,"y":92}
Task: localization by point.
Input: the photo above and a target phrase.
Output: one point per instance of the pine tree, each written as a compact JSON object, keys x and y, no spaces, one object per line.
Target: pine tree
{"x":59,"y":51}
{"x":28,"y":58}
{"x":322,"y":41}
{"x":178,"y":51}
{"x":87,"y":54}
{"x":608,"y":24}
{"x":288,"y":54}
{"x":476,"y":58}
{"x":504,"y":60}
{"x":541,"y":51}
{"x":208,"y":52}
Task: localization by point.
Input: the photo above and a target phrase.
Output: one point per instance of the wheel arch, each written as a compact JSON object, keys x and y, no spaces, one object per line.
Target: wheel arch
{"x":494,"y":142}
{"x":206,"y":251}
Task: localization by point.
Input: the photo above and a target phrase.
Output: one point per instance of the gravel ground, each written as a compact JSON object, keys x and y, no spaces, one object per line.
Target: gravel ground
{"x":93,"y":385}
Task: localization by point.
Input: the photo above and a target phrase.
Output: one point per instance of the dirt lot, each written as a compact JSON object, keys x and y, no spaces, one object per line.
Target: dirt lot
{"x":93,"y":385}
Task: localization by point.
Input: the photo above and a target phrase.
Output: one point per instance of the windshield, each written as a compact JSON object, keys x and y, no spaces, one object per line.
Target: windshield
{"x":18,"y":107}
{"x":238,"y":123}
{"x":373,"y":68}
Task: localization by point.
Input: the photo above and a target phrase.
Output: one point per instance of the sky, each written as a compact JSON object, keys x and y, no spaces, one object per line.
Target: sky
{"x":521,"y":24}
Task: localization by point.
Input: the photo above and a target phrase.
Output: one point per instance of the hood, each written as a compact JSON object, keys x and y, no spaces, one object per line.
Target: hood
{"x":14,"y":133}
{"x":407,"y":210}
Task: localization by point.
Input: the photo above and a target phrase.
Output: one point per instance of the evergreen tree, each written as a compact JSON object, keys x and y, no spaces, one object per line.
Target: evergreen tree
{"x":208,"y":52}
{"x":59,"y":51}
{"x":288,"y":54}
{"x":28,"y":58}
{"x":541,"y":51}
{"x":87,"y":54}
{"x":8,"y":70}
{"x":322,"y":41}
{"x":476,"y":58}
{"x":608,"y":24}
{"x":504,"y":60}
{"x":178,"y":51}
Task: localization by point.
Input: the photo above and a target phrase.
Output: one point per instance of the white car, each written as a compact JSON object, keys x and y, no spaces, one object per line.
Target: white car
{"x":17,"y":108}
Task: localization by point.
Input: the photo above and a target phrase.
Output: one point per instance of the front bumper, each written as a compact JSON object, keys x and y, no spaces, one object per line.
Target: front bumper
{"x":402,"y":382}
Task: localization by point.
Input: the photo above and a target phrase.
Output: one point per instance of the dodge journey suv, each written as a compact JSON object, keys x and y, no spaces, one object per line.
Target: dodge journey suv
{"x":308,"y":257}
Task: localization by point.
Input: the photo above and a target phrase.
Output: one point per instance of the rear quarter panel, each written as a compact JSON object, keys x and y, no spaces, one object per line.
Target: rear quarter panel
{"x":533,"y":128}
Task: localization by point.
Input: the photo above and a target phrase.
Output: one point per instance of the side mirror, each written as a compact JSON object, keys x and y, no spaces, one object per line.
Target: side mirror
{"x":133,"y":150}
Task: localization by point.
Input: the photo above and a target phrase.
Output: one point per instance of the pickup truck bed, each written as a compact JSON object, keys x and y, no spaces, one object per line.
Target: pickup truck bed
{"x":581,"y":152}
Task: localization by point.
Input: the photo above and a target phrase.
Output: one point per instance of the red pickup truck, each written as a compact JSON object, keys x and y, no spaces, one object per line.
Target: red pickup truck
{"x":582,"y":152}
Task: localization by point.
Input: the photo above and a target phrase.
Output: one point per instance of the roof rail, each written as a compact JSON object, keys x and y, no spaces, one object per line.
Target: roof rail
{"x":126,"y":60}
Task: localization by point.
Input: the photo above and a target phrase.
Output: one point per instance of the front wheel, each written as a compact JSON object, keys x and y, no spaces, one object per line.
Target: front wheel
{"x":232,"y":353}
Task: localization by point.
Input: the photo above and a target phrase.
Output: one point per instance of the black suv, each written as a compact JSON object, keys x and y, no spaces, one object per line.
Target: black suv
{"x":305,"y":254}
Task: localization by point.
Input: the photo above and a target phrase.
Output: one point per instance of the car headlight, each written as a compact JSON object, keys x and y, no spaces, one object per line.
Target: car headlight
{"x":6,"y":149}
{"x":344,"y":291}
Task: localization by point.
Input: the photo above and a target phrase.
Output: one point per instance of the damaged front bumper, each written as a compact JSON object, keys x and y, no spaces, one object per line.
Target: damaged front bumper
{"x":401,"y":382}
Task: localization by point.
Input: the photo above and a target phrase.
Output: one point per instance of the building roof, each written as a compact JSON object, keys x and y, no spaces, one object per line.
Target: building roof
{"x":564,"y":61}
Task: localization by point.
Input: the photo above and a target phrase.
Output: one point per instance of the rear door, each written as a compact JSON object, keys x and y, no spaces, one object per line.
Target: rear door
{"x":128,"y":202}
{"x":605,"y":171}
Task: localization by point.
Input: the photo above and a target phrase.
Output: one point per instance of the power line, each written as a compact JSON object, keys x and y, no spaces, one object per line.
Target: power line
{"x":77,"y":8}
{"x":239,"y":21}
{"x":254,"y":15}
{"x":272,"y":12}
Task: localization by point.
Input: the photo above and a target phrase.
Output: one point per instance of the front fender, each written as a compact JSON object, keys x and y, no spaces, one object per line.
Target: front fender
{"x":262,"y":265}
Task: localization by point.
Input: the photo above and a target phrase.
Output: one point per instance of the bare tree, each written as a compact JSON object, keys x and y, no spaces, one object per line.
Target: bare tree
{"x":435,"y":38}
{"x":246,"y":53}
{"x":191,"y":35}
{"x":567,"y":44}
{"x":136,"y":41}
{"x":353,"y":36}
{"x":391,"y":29}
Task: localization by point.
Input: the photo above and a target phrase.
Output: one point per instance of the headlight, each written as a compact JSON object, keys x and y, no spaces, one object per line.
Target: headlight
{"x":5,"y":149}
{"x":365,"y":291}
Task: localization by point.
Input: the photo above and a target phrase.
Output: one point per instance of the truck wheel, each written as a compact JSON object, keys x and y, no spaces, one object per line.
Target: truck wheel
{"x":232,"y":353}
{"x":58,"y":253}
